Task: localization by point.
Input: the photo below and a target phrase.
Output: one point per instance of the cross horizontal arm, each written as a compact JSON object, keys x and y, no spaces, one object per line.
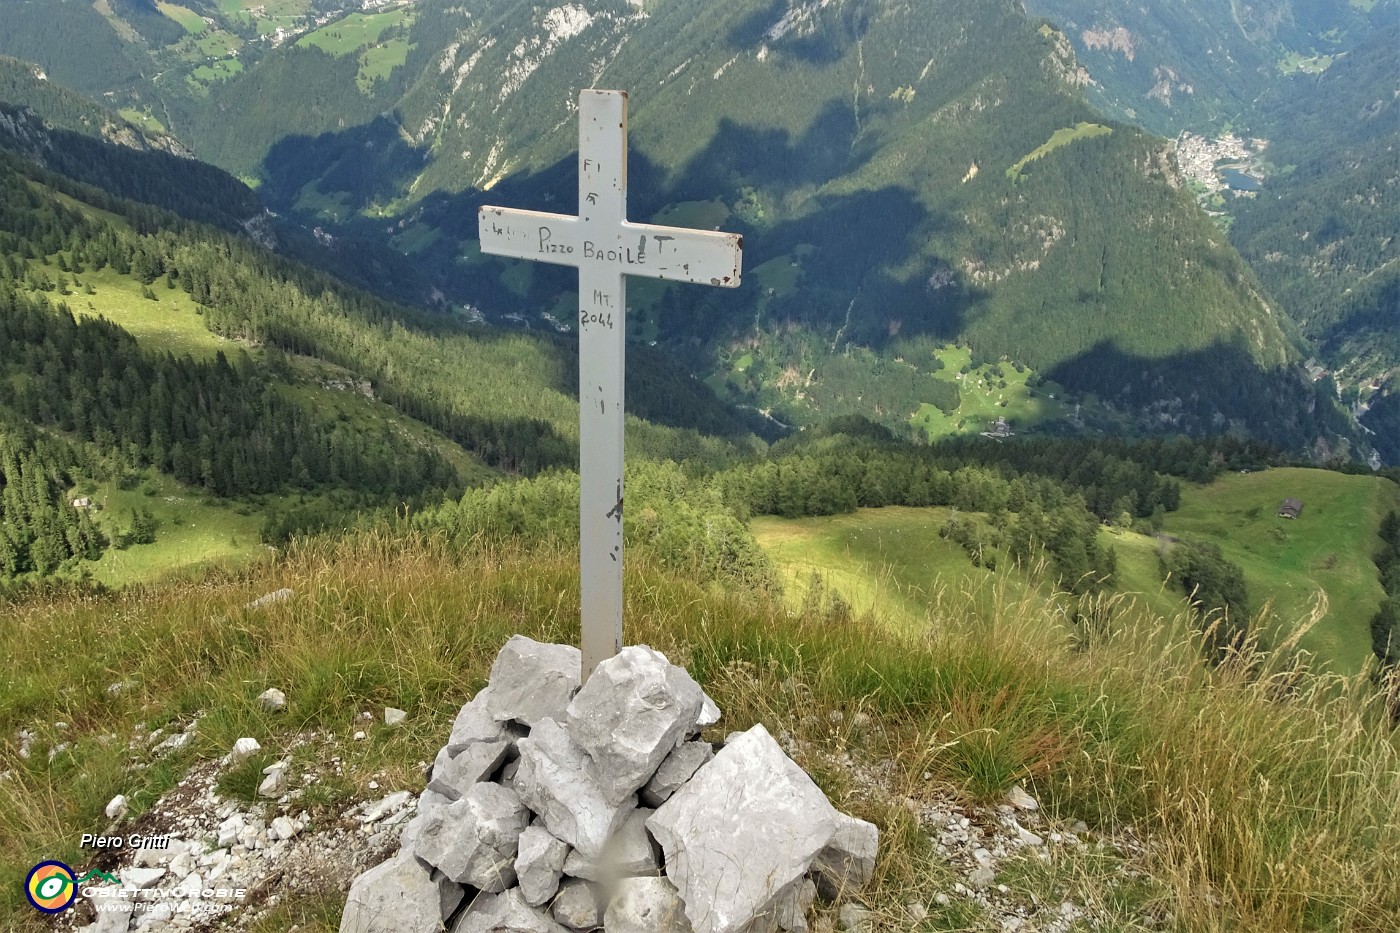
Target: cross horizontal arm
{"x":506,"y":231}
{"x":680,"y":255}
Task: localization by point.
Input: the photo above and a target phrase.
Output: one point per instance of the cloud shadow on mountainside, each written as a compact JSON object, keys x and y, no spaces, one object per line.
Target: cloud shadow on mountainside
{"x":1277,"y":405}
{"x":826,"y":44}
{"x":355,"y":167}
{"x":845,"y":245}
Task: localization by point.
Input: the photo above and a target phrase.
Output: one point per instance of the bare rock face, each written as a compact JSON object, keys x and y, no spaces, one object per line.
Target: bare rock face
{"x":531,"y":681}
{"x":635,"y":708}
{"x":678,"y":767}
{"x":744,"y":829}
{"x":848,"y":861}
{"x":475,"y":723}
{"x":474,"y":840}
{"x":629,"y":853}
{"x":556,"y":780}
{"x":576,"y":907}
{"x":539,"y":865}
{"x":399,"y":896}
{"x":646,"y":905}
{"x":505,"y":913}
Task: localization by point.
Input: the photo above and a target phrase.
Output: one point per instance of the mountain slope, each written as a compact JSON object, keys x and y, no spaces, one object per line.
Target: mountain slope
{"x":150,"y":351}
{"x":903,"y":177}
{"x":1173,"y":66}
{"x":900,"y":177}
{"x":1322,"y":232}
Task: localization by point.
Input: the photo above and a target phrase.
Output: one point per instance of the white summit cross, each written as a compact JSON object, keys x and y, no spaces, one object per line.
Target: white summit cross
{"x":606,"y":248}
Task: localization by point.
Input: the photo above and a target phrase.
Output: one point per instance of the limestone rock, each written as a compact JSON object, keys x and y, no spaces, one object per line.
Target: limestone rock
{"x":576,"y":907}
{"x":243,"y":748}
{"x":272,"y":700}
{"x":855,"y":918}
{"x":385,"y":806}
{"x":475,"y":763}
{"x":709,"y":714}
{"x":790,"y":911}
{"x":114,"y":917}
{"x":556,"y":781}
{"x":629,"y":853}
{"x":394,"y":716}
{"x":847,"y":862}
{"x":635,"y":708}
{"x":267,"y":599}
{"x":741,"y":831}
{"x":275,"y":783}
{"x":399,"y":896}
{"x":1021,"y":800}
{"x":474,"y":724}
{"x":140,"y":877}
{"x":505,"y":913}
{"x":116,"y":807}
{"x":531,"y":681}
{"x":284,"y":827}
{"x":677,"y":768}
{"x":474,"y":840}
{"x":646,"y":905}
{"x":539,"y":864}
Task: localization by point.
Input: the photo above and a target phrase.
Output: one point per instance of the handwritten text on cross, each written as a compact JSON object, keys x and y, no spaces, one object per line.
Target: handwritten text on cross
{"x":605,"y":247}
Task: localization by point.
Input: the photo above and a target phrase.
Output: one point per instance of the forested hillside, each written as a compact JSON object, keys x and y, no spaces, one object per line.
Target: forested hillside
{"x":1322,"y":232}
{"x":251,"y":417}
{"x":903,"y":179}
{"x":1300,"y":96}
{"x":1172,"y":66}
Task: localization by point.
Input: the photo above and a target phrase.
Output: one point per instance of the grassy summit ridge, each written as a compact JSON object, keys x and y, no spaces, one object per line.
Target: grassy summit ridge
{"x":1276,"y":794}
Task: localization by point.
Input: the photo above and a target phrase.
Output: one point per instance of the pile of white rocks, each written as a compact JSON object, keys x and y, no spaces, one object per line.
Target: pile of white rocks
{"x":553,"y":809}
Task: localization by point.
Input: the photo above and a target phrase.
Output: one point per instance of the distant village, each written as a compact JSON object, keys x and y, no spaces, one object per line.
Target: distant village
{"x":1200,"y":158}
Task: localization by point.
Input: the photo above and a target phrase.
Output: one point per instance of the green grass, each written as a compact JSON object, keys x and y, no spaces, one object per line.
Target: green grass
{"x":193,"y":23}
{"x":380,"y":60}
{"x":981,"y":397}
{"x":316,"y":389}
{"x":1306,"y":64}
{"x":194,"y":530}
{"x":142,"y":118}
{"x":889,"y":562}
{"x":216,"y":71}
{"x":1324,"y":553}
{"x":1061,"y":137}
{"x":892,"y":563}
{"x":702,"y":215}
{"x":779,"y":274}
{"x":170,"y":323}
{"x":354,"y":32}
{"x":1283,"y":804}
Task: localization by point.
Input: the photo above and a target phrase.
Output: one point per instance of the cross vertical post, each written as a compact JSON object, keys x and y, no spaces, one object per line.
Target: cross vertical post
{"x":602,"y":197}
{"x":606,"y":248}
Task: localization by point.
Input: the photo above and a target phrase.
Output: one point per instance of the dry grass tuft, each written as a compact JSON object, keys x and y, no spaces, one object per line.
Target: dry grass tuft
{"x":1269,"y":797}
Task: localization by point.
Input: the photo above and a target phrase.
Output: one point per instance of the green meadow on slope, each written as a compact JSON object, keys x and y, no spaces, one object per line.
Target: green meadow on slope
{"x":893,"y":562}
{"x":1326,"y":552}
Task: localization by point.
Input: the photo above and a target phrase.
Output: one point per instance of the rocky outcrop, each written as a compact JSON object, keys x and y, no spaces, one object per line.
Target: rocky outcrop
{"x":553,"y":808}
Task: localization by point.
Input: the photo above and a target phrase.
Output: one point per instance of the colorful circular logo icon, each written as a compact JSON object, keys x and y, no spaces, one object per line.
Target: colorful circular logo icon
{"x":51,"y":887}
